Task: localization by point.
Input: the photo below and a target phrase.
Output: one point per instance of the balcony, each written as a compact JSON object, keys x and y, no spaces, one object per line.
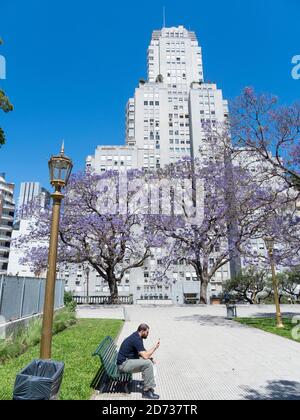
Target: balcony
{"x":7,"y":206}
{"x":4,"y":248}
{"x":3,"y":260}
{"x":5,"y":238}
{"x":8,"y":199}
{"x":5,"y":228}
{"x":5,"y":188}
{"x":7,"y":218}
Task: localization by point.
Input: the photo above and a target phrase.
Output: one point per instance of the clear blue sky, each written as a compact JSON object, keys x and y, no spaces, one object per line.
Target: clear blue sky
{"x":72,"y":65}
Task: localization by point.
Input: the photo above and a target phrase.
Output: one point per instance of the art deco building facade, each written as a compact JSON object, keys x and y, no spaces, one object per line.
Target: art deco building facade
{"x":7,"y":211}
{"x":165,"y":122}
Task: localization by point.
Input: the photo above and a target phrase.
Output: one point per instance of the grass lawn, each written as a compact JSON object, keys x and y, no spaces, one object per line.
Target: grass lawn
{"x":269,"y":325}
{"x":74,"y":347}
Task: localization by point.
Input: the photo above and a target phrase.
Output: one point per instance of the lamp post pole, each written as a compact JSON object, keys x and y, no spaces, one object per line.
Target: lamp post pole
{"x":45,"y":351}
{"x":60,"y":171}
{"x":270,"y":248}
{"x":87,"y":272}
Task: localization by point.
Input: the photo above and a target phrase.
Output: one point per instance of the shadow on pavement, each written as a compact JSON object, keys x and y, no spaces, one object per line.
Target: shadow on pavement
{"x":276,"y":390}
{"x":208,"y":320}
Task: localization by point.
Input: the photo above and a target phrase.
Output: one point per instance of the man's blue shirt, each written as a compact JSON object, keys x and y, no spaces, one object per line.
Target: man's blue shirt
{"x":130,"y":348}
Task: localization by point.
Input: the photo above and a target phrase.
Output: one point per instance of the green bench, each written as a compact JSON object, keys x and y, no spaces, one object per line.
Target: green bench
{"x":109,"y":373}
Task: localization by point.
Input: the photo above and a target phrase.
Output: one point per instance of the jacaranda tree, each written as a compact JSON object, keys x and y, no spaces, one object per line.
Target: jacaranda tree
{"x":233,"y":208}
{"x":94,"y":229}
{"x":261,"y":126}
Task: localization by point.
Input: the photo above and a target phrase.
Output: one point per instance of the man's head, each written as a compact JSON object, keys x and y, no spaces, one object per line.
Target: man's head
{"x":143,"y":330}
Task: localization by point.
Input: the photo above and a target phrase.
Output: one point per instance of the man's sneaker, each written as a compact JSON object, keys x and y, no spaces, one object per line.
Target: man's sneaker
{"x":150,"y":395}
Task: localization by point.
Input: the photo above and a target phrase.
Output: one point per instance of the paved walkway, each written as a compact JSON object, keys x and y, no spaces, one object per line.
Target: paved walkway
{"x":205,"y":357}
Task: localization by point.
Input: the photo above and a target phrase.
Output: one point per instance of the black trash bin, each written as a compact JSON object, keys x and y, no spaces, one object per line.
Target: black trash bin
{"x":231,"y":311}
{"x":40,"y":380}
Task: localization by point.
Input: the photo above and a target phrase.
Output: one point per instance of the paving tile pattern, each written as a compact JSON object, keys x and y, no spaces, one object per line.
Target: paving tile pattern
{"x":203,"y":356}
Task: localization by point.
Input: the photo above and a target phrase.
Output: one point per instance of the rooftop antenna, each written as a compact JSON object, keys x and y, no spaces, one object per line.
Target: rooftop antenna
{"x":164,"y":16}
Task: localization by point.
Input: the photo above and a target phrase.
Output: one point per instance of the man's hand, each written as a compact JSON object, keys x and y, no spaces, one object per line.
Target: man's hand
{"x":147,"y":355}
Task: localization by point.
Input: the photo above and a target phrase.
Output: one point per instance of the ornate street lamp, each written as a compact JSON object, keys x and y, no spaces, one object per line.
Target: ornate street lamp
{"x":60,"y":168}
{"x":270,"y":248}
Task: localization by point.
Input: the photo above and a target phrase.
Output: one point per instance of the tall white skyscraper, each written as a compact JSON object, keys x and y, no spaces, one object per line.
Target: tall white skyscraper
{"x":175,"y":54}
{"x":166,"y":115}
{"x":165,"y":122}
{"x":165,"y":118}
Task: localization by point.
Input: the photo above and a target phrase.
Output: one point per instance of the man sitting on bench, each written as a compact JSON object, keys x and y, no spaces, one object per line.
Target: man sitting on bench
{"x":133,"y":358}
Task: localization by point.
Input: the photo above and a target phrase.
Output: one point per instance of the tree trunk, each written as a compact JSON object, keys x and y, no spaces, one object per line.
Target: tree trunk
{"x":203,"y":292}
{"x":250,"y":301}
{"x":202,"y":278}
{"x":113,"y":288}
